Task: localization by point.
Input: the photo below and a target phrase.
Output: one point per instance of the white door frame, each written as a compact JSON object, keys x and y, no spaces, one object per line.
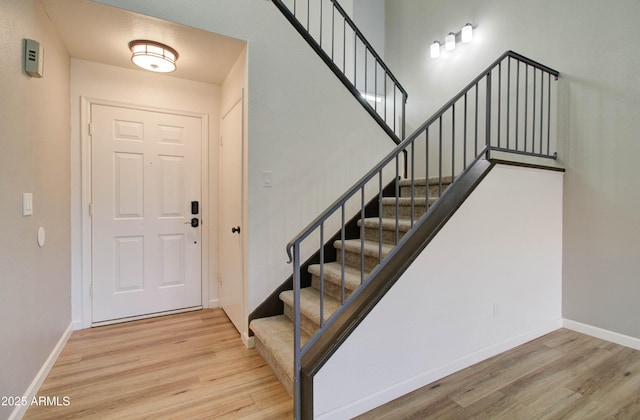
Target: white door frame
{"x":238,"y":100}
{"x":85,"y":119}
{"x":228,"y":107}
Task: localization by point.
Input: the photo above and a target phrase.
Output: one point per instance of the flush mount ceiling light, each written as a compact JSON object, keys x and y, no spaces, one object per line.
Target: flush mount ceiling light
{"x":153,"y":56}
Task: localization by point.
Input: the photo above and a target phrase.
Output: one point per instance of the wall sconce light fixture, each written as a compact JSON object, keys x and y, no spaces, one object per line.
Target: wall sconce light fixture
{"x":153,"y":56}
{"x":450,"y":42}
{"x":466,"y":33}
{"x":465,"y":36}
{"x":435,"y":49}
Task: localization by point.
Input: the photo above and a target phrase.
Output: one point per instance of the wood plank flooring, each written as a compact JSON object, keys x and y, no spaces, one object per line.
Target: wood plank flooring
{"x":194,"y":366}
{"x":189,"y":366}
{"x":562,"y":375}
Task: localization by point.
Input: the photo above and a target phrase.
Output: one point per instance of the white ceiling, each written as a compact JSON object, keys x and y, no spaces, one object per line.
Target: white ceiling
{"x":97,"y":32}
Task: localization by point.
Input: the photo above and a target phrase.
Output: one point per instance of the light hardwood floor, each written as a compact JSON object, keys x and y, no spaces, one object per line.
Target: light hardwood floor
{"x":194,"y":366}
{"x":562,"y":375}
{"x":188,"y":366}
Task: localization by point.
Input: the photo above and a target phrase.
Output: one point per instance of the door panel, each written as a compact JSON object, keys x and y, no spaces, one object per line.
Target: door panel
{"x":128,"y":184}
{"x":146,"y":256}
{"x":231,"y":249}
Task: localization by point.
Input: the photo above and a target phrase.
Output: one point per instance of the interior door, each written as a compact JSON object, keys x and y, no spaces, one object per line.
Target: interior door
{"x":146,"y":253}
{"x":231,"y":286}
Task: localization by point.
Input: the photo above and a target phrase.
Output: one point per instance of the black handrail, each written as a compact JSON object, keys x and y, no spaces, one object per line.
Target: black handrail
{"x":368,"y":45}
{"x":392,"y":98}
{"x":440,"y":139}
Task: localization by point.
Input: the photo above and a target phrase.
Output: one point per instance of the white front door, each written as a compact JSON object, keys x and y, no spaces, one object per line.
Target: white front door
{"x":146,"y":256}
{"x":231,"y":287}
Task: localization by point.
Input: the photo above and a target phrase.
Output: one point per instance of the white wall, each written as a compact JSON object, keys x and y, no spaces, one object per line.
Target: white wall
{"x":102,"y":82}
{"x":34,"y":135}
{"x":302,"y":125}
{"x":495,"y":252}
{"x":369,"y":16}
{"x":594,"y":46}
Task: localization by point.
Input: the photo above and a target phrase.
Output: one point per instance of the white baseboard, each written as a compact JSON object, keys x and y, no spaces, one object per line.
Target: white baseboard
{"x":614,"y":337}
{"x":214,"y":303}
{"x":397,"y":390}
{"x":77,"y":325}
{"x":249,"y":341}
{"x":35,"y":385}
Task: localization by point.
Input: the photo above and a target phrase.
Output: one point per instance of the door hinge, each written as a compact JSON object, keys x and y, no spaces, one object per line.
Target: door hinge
{"x":91,"y":289}
{"x":90,"y":131}
{"x":90,"y":209}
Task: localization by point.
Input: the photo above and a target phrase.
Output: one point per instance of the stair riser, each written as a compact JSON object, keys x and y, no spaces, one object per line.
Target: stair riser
{"x":404,"y":212}
{"x":284,"y":378}
{"x":388,"y":236}
{"x":330,"y":289}
{"x":307,"y":325}
{"x":420,"y":191}
{"x":353,"y":259}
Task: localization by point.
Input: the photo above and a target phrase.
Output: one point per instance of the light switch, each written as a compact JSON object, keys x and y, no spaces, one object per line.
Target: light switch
{"x":267,"y":179}
{"x":27,"y":204}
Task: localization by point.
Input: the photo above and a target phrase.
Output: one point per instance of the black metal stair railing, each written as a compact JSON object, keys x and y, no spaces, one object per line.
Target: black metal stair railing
{"x":341,"y":45}
{"x":508,"y":108}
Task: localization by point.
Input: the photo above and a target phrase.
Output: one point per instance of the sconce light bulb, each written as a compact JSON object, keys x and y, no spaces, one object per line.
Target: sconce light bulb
{"x":466,"y":34}
{"x":450,"y":42}
{"x":435,"y":49}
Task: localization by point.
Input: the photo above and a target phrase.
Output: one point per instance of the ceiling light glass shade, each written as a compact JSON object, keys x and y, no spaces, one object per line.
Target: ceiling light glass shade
{"x":466,"y":34}
{"x":435,"y":49}
{"x":450,"y":42}
{"x":153,"y":56}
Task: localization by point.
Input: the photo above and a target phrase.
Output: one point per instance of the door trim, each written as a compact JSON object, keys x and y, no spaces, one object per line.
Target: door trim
{"x":86,"y":167}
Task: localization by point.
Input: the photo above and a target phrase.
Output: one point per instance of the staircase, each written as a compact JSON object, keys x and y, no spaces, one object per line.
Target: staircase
{"x":506,"y":109}
{"x":274,"y":336}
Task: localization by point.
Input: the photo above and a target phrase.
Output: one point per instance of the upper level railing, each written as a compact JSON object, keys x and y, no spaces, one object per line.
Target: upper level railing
{"x":332,"y":34}
{"x":508,"y":108}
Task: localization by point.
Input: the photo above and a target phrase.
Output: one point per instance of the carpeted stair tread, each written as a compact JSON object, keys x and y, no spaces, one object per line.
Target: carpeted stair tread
{"x":388,"y":223}
{"x":370,"y":247}
{"x":333,"y":274}
{"x":406,"y":201}
{"x":423,"y":181}
{"x":310,"y":303}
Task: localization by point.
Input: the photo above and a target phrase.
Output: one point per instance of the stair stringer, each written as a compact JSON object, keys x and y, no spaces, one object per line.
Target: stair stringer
{"x":384,"y":277}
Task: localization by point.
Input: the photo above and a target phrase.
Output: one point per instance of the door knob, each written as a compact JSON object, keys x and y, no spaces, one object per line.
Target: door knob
{"x":195,"y":222}
{"x":235,"y":229}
